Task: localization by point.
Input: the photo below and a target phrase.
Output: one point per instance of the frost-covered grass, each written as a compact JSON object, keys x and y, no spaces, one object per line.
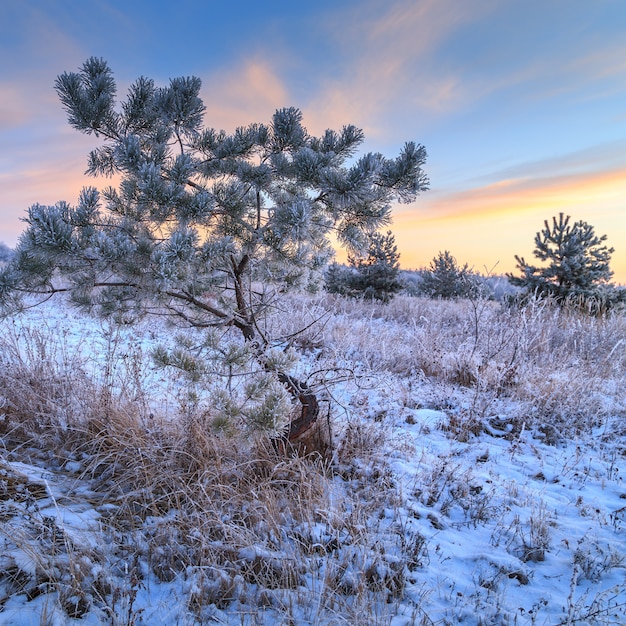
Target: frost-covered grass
{"x":477,"y":474}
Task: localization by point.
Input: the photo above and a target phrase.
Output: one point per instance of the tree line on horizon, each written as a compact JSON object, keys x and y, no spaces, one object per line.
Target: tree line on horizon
{"x":575,"y":269}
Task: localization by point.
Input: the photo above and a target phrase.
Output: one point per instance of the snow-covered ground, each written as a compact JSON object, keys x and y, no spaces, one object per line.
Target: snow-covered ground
{"x":449,"y":502}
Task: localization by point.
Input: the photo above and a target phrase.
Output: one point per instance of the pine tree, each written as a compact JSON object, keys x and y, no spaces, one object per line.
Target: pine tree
{"x":446,"y":279}
{"x":377,"y":272}
{"x":206,"y":226}
{"x":576,"y":262}
{"x":340,"y":279}
{"x":373,"y":276}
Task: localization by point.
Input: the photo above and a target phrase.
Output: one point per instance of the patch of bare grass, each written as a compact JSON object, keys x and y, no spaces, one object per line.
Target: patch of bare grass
{"x":241,"y":524}
{"x":562,"y":367}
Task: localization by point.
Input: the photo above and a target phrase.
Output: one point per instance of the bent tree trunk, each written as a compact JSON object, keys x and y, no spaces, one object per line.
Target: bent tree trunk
{"x":300,"y":391}
{"x":309,"y":406}
{"x":308,"y":409}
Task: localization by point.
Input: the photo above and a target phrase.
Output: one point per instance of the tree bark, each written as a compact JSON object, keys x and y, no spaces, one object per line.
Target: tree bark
{"x":309,"y":411}
{"x":309,"y":406}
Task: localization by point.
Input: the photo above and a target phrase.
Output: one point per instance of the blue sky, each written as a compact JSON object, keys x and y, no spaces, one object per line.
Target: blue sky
{"x":521,"y":104}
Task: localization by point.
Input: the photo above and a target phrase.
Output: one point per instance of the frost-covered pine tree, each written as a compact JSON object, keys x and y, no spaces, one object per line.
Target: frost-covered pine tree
{"x":373,"y":276}
{"x":206,"y":226}
{"x":446,"y":279}
{"x":576,"y":262}
{"x":377,"y":271}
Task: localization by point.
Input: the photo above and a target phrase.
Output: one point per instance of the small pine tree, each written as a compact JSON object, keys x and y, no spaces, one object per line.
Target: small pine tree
{"x":576,"y":263}
{"x":445,"y":279}
{"x":340,"y":279}
{"x":377,"y":272}
{"x":202,"y":218}
{"x":373,"y":276}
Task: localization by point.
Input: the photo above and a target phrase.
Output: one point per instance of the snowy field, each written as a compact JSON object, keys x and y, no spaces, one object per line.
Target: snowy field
{"x":477,"y":474}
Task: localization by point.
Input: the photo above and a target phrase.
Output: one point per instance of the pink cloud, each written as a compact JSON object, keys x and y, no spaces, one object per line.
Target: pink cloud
{"x":15,"y":108}
{"x":241,"y":95}
{"x":515,"y":194}
{"x":45,"y":184}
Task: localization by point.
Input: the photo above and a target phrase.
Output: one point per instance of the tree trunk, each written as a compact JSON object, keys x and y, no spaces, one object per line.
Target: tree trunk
{"x":309,"y":406}
{"x":309,"y":410}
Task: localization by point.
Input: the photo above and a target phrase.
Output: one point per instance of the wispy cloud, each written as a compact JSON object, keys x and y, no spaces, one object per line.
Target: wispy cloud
{"x":580,"y":72}
{"x":595,"y":158}
{"x":596,"y":63}
{"x":553,"y":193}
{"x":42,"y":43}
{"x":387,"y":53}
{"x":250,"y":92}
{"x":401,"y":59}
{"x":44,"y":185}
{"x":14,"y":107}
{"x":487,"y":224}
{"x":30,"y":63}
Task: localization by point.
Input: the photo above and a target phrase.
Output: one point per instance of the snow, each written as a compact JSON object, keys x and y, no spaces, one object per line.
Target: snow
{"x":503,"y":528}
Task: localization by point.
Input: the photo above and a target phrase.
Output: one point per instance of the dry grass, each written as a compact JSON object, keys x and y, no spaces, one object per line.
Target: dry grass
{"x":559,"y":365}
{"x":243,"y":523}
{"x":255,"y":531}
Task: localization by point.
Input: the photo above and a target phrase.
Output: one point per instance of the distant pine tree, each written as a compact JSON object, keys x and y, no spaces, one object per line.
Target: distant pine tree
{"x":377,"y":272}
{"x":339,"y":279}
{"x":374,"y":276}
{"x":576,"y":264}
{"x":446,"y":279}
{"x":5,"y":252}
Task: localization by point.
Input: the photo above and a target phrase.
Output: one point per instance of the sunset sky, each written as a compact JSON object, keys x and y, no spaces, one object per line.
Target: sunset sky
{"x":521,"y":104}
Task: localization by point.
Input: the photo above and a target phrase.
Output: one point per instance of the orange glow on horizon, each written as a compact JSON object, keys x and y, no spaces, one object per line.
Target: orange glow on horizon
{"x":487,"y":226}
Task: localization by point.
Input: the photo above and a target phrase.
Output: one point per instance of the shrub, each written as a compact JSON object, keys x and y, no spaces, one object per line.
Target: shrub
{"x":374,"y":276}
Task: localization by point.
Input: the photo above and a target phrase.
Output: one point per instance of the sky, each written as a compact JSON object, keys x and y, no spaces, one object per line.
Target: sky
{"x":521,"y":104}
